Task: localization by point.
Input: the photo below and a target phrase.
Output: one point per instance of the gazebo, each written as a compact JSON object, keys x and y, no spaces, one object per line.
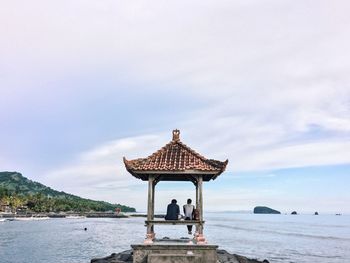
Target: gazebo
{"x":175,"y":162}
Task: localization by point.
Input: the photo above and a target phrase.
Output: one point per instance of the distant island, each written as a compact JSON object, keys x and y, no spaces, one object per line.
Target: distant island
{"x":265,"y":210}
{"x":18,"y":193}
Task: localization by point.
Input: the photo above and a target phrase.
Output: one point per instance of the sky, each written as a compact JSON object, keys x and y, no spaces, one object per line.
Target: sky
{"x":265,"y":84}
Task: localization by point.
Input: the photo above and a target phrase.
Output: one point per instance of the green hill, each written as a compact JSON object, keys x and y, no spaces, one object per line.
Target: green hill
{"x":18,"y":190}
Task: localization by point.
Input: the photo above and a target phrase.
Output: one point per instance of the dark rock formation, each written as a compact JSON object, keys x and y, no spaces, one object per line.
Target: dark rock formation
{"x":316,"y":213}
{"x":122,"y":257}
{"x":265,"y":210}
{"x":223,"y":257}
{"x":294,"y":213}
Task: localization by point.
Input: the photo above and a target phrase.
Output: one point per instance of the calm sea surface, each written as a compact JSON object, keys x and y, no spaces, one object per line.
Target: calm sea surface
{"x":278,"y":238}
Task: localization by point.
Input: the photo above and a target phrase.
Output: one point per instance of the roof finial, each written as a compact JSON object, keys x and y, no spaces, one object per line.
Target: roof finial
{"x":176,"y":135}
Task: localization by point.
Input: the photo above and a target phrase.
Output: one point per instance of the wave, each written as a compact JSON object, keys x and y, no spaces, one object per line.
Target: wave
{"x":281,"y":233}
{"x":314,"y":255}
{"x":313,"y":224}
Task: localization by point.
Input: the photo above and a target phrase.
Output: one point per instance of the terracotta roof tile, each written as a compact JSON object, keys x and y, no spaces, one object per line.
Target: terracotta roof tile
{"x":175,"y":157}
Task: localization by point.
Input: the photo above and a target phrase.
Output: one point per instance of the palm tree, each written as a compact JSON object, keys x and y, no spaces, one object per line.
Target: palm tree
{"x":15,"y":202}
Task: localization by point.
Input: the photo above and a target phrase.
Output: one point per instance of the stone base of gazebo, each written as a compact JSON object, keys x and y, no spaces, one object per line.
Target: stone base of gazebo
{"x":223,"y":257}
{"x":170,"y":251}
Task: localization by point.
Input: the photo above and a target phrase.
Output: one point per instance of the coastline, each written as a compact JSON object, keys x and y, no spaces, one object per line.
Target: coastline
{"x":10,"y":216}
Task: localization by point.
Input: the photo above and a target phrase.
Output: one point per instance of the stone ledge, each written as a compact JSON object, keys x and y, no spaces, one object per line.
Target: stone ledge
{"x":179,"y":251}
{"x":165,"y":246}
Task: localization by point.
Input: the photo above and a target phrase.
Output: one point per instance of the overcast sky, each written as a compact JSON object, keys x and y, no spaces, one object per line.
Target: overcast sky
{"x":265,"y":84}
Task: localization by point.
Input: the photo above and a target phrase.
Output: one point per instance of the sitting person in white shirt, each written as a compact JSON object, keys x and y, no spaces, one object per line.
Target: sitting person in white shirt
{"x":189,"y":212}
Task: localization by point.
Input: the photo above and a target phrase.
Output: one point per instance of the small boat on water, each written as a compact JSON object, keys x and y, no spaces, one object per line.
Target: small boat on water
{"x":41,"y":218}
{"x":23,"y":219}
{"x":3,"y":219}
{"x":75,"y":217}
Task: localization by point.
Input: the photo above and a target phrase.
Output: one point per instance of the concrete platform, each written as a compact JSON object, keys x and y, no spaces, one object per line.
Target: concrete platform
{"x":172,"y":258}
{"x":223,"y":257}
{"x":169,"y":252}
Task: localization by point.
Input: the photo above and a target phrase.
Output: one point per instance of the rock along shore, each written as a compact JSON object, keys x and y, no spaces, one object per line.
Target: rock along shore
{"x":223,"y":257}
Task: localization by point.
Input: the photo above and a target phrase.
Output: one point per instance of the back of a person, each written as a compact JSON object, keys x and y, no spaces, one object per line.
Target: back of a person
{"x":173,"y":211}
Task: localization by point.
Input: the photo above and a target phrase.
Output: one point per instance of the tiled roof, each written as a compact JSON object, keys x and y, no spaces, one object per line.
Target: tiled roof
{"x":175,"y":157}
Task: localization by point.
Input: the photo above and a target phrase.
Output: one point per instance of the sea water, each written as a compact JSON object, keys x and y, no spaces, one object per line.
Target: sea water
{"x":278,"y":238}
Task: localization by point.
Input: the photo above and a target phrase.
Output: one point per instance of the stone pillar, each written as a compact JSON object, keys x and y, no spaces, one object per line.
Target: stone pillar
{"x":150,"y":213}
{"x":197,"y":205}
{"x":197,"y":199}
{"x":200,"y":201}
{"x":200,"y":238}
{"x":153,"y":193}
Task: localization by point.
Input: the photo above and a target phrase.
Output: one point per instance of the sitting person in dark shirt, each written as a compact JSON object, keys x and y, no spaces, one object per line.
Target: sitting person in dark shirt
{"x":173,"y":211}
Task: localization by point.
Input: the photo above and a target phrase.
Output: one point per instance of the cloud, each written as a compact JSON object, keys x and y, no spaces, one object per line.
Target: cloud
{"x":102,"y":163}
{"x":268,"y":85}
{"x":100,"y":172}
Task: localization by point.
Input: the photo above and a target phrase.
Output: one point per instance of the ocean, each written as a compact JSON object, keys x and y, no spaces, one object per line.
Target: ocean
{"x":278,"y":238}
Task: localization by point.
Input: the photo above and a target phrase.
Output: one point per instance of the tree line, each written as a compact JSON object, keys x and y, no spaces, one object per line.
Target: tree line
{"x":39,"y":202}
